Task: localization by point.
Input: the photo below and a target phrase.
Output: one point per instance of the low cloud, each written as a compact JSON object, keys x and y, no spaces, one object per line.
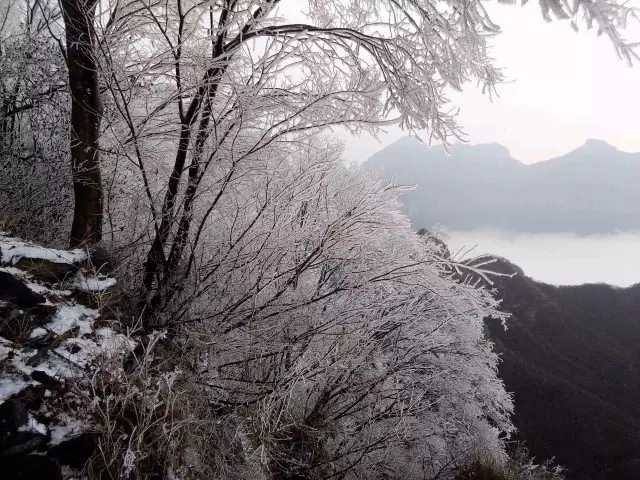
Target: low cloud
{"x":560,"y":259}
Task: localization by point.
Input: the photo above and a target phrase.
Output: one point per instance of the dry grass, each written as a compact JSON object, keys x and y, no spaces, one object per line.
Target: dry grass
{"x":135,"y":409}
{"x":519,"y":467}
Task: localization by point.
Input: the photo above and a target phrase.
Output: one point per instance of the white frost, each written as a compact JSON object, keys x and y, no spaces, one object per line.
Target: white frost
{"x":94,"y":284}
{"x":59,"y":368}
{"x":112,"y":342}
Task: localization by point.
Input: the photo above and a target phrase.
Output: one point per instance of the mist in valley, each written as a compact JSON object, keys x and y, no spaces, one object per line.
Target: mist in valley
{"x":558,"y":258}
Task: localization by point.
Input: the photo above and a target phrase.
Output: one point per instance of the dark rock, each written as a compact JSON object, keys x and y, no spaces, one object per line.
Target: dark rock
{"x":30,"y":467}
{"x":45,"y":310}
{"x":105,"y":300}
{"x":14,"y":290}
{"x":87,"y":298}
{"x":24,"y":442}
{"x":101,"y":261}
{"x":76,"y":451}
{"x":73,"y":348}
{"x":32,"y":397}
{"x":46,"y":270}
{"x":45,"y":379}
{"x":15,"y":439}
{"x":115,"y":307}
{"x":13,"y":414}
{"x":16,"y":323}
{"x":109,"y":301}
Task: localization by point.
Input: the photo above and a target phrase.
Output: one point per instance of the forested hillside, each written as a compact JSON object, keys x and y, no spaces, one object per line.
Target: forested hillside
{"x":571,"y":357}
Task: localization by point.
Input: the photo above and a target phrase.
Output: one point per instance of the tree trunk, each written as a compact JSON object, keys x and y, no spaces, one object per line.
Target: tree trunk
{"x":86,"y":114}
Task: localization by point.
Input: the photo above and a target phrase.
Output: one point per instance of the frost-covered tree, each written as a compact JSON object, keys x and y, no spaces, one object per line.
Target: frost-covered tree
{"x":359,"y":64}
{"x":324,"y":337}
{"x":35,"y":187}
{"x":189,"y":82}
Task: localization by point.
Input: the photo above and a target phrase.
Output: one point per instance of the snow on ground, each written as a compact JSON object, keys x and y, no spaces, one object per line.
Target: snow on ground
{"x":13,"y":249}
{"x":16,"y":272}
{"x":74,"y":354}
{"x":67,"y":318}
{"x":72,"y":349}
{"x":33,"y":425}
{"x":5,"y":348}
{"x":37,"y":333}
{"x":36,"y":287}
{"x":81,"y":352}
{"x":62,"y":432}
{"x":60,"y":368}
{"x":71,"y":358}
{"x":78,"y":351}
{"x":12,"y":383}
{"x":18,"y":361}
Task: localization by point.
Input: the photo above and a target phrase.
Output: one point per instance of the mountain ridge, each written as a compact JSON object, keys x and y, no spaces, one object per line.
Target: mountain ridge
{"x":592,"y":144}
{"x":590,"y":190}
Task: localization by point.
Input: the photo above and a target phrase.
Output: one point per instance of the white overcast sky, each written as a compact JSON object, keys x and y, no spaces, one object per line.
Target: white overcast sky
{"x":565,"y":87}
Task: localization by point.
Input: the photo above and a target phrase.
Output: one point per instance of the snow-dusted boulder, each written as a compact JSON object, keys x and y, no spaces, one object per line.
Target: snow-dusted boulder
{"x":96,"y":292}
{"x":45,"y":264}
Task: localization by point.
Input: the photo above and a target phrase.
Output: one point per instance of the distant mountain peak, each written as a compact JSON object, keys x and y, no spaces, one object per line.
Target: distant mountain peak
{"x":593,"y":152}
{"x":408,"y":142}
{"x":597,"y":145}
{"x":493,"y":149}
{"x":596,"y":142}
{"x":592,"y":189}
{"x":479,"y":150}
{"x":412,"y":155}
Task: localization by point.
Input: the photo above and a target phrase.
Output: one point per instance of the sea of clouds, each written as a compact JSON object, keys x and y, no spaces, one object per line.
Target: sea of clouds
{"x":559,"y":259}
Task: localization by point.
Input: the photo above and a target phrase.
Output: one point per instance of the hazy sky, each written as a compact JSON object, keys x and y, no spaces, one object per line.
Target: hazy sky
{"x":566,"y":87}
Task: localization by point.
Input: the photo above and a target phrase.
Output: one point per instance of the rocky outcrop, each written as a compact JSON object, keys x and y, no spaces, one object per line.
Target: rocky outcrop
{"x":55,"y":328}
